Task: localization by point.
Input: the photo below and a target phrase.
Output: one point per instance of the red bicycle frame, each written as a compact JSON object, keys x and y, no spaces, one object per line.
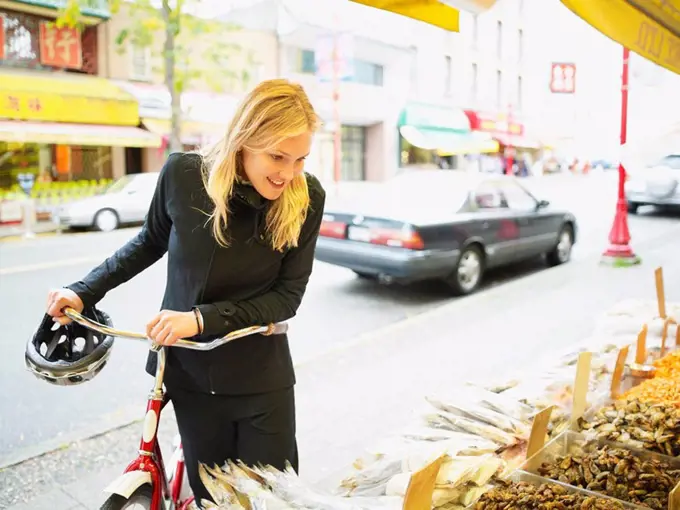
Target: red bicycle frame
{"x":150,"y":458}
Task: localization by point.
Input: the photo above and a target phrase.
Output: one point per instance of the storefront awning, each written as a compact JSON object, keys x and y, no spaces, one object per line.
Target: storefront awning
{"x":65,"y":97}
{"x":76,"y":134}
{"x":434,"y":117}
{"x":520,"y":141}
{"x":192,"y":132}
{"x":650,"y":28}
{"x":448,"y":142}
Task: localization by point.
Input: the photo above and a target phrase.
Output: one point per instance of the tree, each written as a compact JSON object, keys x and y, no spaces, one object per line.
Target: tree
{"x":194,"y":48}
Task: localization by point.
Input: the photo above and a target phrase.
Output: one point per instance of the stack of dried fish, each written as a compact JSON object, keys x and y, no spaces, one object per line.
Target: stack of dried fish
{"x":616,"y":472}
{"x":653,"y":427}
{"x":526,"y":496}
{"x":237,"y":487}
{"x":461,"y":480}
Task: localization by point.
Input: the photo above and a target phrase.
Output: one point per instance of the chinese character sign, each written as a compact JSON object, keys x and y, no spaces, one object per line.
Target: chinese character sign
{"x":563,"y":78}
{"x":2,"y":36}
{"x":60,"y":47}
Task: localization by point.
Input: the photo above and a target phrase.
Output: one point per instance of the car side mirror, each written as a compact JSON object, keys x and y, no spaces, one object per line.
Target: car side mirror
{"x":542,"y":204}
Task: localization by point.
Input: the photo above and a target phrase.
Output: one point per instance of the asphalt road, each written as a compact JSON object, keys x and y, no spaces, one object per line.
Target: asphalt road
{"x":337,"y":308}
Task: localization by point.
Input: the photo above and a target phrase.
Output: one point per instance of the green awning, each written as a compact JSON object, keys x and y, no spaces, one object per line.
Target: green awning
{"x":449,"y":142}
{"x":435,"y":118}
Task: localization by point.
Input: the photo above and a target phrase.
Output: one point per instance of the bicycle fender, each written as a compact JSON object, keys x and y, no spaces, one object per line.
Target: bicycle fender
{"x":126,"y":484}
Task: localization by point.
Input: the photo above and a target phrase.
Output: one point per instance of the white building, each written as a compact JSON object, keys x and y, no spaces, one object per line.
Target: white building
{"x":405,"y":72}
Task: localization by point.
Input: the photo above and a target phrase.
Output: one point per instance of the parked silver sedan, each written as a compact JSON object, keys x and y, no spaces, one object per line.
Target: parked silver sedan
{"x":127,"y":200}
{"x":657,"y":185}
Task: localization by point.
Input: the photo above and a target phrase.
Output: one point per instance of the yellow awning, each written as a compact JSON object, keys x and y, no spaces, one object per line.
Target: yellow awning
{"x":650,"y":28}
{"x":65,"y":97}
{"x":433,"y":12}
{"x":192,"y":132}
{"x":76,"y":134}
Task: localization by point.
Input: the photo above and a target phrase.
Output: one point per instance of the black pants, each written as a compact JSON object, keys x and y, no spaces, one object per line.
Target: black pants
{"x":256,"y":429}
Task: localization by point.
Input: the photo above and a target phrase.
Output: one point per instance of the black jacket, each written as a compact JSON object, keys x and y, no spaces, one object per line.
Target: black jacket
{"x":248,"y":283}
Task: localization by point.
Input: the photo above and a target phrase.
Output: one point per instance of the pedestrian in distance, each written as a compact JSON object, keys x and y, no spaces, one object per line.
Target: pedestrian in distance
{"x":239,"y":223}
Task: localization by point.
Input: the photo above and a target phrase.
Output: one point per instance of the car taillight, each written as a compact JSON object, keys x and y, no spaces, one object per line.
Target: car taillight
{"x":334,"y":229}
{"x":402,"y":238}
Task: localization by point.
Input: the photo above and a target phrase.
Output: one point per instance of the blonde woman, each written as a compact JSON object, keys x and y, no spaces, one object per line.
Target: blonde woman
{"x":239,"y":225}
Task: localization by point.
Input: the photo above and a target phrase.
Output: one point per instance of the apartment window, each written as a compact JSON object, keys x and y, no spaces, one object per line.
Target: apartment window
{"x":473,"y":84}
{"x":519,"y":92}
{"x":140,"y":62}
{"x":368,"y":73}
{"x":305,"y":62}
{"x":447,"y":75}
{"x":520,"y":45}
{"x":499,"y":88}
{"x":499,"y":39}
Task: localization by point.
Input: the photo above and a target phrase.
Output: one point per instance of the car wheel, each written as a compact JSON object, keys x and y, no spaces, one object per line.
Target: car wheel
{"x":633,"y":207}
{"x":467,"y":276}
{"x":561,"y":253}
{"x":106,"y":220}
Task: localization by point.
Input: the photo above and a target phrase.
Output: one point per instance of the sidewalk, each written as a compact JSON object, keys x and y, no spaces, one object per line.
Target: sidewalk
{"x":351,"y":398}
{"x":12,"y":231}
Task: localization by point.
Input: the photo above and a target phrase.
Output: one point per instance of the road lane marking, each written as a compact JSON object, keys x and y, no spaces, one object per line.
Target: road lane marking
{"x":50,"y":265}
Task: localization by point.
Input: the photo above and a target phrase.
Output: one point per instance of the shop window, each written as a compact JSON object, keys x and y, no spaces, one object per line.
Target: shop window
{"x":353,"y":145}
{"x":303,"y":61}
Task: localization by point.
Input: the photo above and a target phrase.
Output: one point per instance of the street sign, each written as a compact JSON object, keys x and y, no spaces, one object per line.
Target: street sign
{"x":323,"y":57}
{"x":562,"y":78}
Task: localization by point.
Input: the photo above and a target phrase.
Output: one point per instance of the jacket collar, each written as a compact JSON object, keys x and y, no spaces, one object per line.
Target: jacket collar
{"x":247,"y":194}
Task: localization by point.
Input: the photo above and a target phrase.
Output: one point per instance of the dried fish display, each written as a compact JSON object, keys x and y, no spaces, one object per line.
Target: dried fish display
{"x":653,"y":427}
{"x":616,"y":472}
{"x":237,"y":487}
{"x":527,"y":496}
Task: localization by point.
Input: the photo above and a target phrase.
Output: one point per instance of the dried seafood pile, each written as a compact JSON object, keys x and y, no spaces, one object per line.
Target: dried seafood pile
{"x":653,"y":427}
{"x":616,"y":472}
{"x":525,"y":496}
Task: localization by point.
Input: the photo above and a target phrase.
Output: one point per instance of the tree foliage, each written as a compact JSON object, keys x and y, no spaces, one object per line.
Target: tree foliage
{"x":194,"y":48}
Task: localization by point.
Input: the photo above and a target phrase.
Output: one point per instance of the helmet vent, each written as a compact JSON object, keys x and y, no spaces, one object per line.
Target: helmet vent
{"x":62,"y":339}
{"x":43,"y":349}
{"x":55,"y":326}
{"x":79,"y":344}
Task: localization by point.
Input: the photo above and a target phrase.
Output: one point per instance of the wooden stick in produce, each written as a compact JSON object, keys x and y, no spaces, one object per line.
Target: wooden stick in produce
{"x":539,"y":431}
{"x":674,"y":498}
{"x":641,"y":351}
{"x":421,"y":486}
{"x":617,"y":376}
{"x":660,"y":294}
{"x":580,"y":399}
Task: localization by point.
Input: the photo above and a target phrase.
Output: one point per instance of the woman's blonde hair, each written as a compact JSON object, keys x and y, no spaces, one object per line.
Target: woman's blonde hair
{"x":272,"y":112}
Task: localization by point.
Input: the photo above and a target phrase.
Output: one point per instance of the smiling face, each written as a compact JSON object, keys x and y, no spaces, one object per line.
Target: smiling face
{"x":270,"y":171}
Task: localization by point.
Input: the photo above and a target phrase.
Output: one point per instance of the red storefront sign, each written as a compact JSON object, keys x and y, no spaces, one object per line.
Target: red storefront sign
{"x":562,"y":78}
{"x":60,"y":47}
{"x":2,"y":37}
{"x":494,"y":124}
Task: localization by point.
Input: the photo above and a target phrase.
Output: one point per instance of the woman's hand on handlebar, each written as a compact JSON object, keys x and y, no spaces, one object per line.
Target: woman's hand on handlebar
{"x":168,"y":326}
{"x":58,"y":299}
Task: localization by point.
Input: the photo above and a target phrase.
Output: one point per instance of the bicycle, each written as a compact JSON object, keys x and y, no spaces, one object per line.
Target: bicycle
{"x":146,"y":484}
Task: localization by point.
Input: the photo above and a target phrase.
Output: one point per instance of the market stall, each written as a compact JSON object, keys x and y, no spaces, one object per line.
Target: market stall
{"x":596,"y":427}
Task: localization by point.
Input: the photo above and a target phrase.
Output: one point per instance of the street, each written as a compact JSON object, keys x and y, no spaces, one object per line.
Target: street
{"x":338,"y":312}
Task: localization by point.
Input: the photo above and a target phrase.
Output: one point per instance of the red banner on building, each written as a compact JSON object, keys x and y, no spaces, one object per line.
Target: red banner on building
{"x":60,"y":47}
{"x":2,"y":37}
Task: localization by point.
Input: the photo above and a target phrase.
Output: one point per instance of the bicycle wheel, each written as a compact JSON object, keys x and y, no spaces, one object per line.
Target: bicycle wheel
{"x":139,"y":500}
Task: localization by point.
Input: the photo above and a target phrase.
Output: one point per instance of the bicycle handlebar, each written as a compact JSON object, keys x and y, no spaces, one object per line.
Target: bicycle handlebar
{"x":272,"y":329}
